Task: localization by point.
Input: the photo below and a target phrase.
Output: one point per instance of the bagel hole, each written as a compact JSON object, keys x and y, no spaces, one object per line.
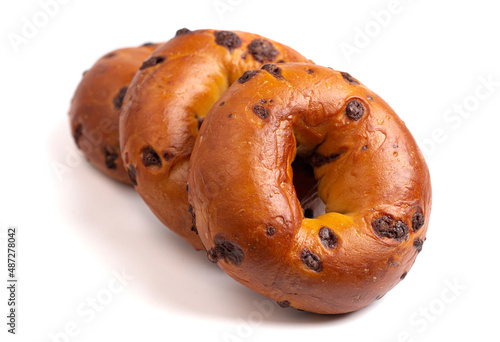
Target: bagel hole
{"x":306,"y":188}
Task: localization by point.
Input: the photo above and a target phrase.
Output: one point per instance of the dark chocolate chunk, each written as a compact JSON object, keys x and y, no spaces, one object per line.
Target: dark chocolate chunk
{"x":308,"y":213}
{"x":222,"y":103}
{"x":260,"y":111}
{"x":228,"y":39}
{"x":230,"y":251}
{"x":78,"y":133}
{"x":132,"y":174}
{"x":387,"y":227}
{"x":193,"y":219}
{"x":118,"y":99}
{"x":271,"y":230}
{"x":355,"y":109}
{"x":311,"y":260}
{"x":284,"y":304}
{"x":417,"y":220}
{"x":150,"y":157}
{"x":418,"y":243}
{"x":110,"y":157}
{"x":364,"y":147}
{"x":310,"y":71}
{"x":328,"y":237}
{"x":262,"y":50}
{"x":152,"y":61}
{"x":247,"y":75}
{"x":349,"y":78}
{"x":403,"y":275}
{"x":274,"y":70}
{"x":318,"y":160}
{"x":183,"y":31}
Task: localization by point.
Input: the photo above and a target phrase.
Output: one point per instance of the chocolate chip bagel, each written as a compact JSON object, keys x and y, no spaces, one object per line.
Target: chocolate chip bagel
{"x":96,"y":105}
{"x":166,"y":104}
{"x":368,"y":199}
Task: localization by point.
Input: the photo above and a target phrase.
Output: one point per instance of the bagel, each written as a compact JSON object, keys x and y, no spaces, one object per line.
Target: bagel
{"x":361,"y":175}
{"x":96,"y":104}
{"x":166,"y":104}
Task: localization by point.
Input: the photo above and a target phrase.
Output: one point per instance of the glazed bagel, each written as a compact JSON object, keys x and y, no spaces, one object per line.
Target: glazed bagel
{"x":349,"y":148}
{"x":96,"y":105}
{"x":166,"y":104}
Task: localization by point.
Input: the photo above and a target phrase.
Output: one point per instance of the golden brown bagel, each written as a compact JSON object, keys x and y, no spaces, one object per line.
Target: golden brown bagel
{"x":166,"y":104}
{"x":95,"y":108}
{"x":370,"y":175}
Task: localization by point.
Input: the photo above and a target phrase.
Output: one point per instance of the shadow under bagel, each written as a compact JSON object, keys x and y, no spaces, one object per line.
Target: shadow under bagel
{"x":119,"y":229}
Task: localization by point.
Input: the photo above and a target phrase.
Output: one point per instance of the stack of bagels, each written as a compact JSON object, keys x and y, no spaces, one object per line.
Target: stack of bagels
{"x":296,"y":179}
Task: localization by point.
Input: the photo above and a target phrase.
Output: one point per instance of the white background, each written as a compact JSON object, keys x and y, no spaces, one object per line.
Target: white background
{"x":427,"y":59}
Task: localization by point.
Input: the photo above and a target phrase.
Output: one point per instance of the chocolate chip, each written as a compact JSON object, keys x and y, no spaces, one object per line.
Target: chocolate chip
{"x":355,"y":110}
{"x":118,"y":99}
{"x":311,"y":260}
{"x":328,"y":237}
{"x":152,"y":61}
{"x":262,"y":50}
{"x":349,"y":78}
{"x":148,"y":44}
{"x":230,"y":115}
{"x":403,"y":275}
{"x":308,"y":213}
{"x":310,"y":71}
{"x":167,"y":156}
{"x":132,"y":174}
{"x":284,"y":304}
{"x":150,"y":157}
{"x":110,"y":157}
{"x":418,"y":243}
{"x":262,"y":101}
{"x":212,"y":255}
{"x":222,"y":103}
{"x":281,"y":61}
{"x":417,"y":220}
{"x":318,"y":160}
{"x":193,"y":219}
{"x":230,"y":251}
{"x":183,"y":31}
{"x":274,"y":70}
{"x":385,"y":226}
{"x":228,"y":39}
{"x":271,"y":230}
{"x":247,"y":75}
{"x":260,"y":111}
{"x":78,"y":133}
{"x":364,"y":147}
